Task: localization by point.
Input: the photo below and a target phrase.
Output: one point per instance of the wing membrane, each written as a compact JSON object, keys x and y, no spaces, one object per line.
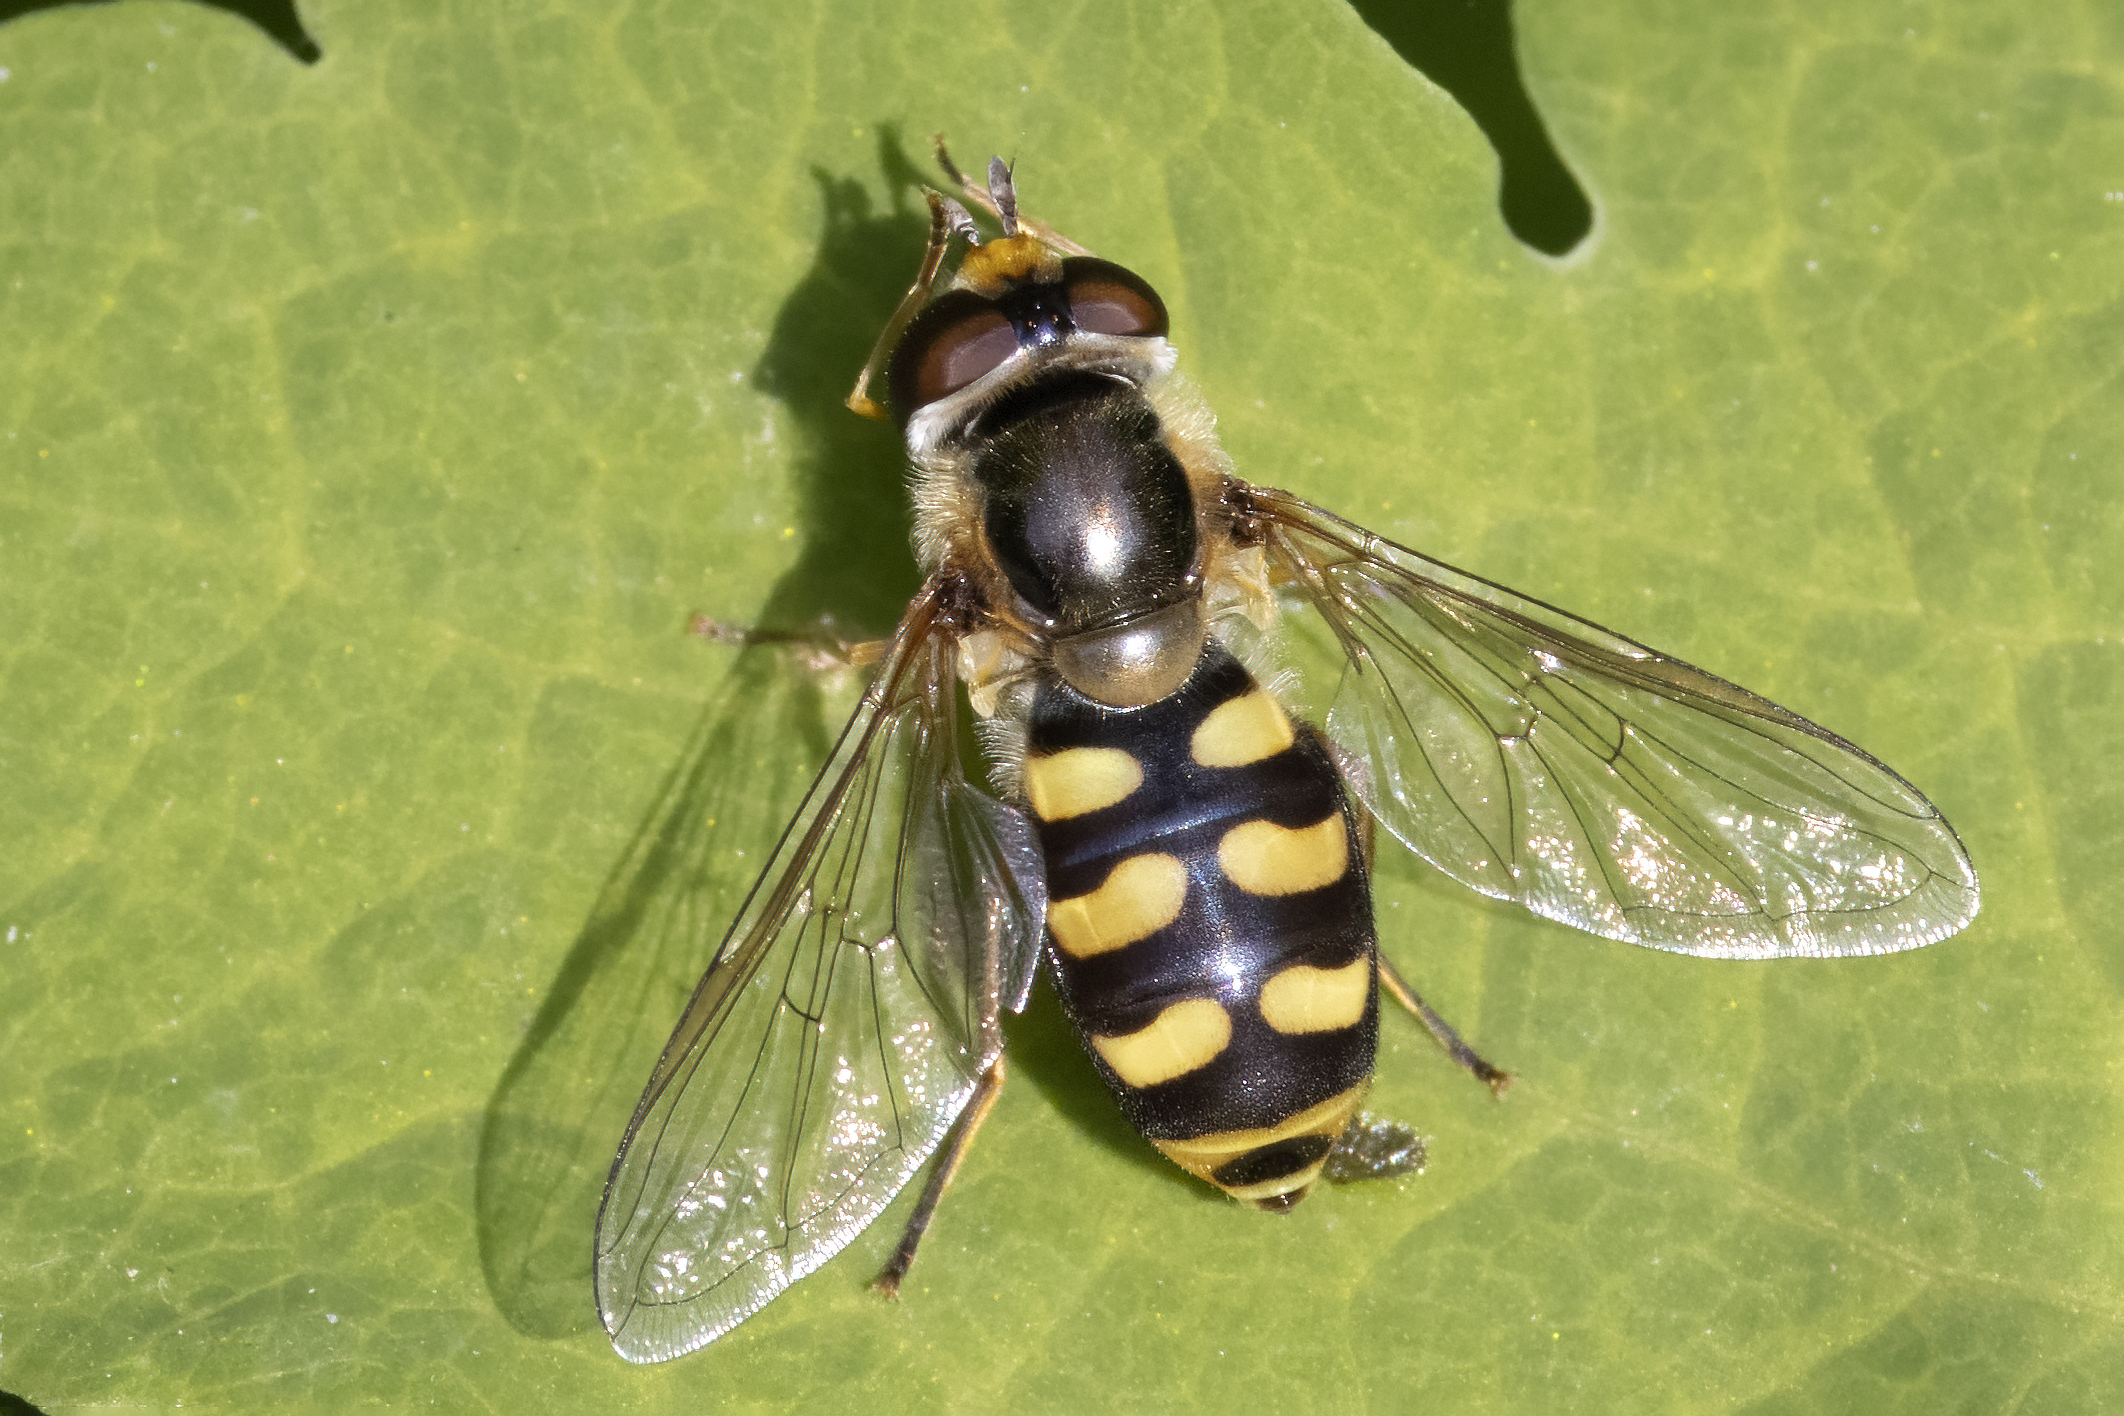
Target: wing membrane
{"x":840,"y":1028}
{"x":1540,"y":758}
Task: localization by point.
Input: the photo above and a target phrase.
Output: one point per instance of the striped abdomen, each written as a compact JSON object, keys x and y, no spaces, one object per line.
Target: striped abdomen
{"x":1210,"y":923}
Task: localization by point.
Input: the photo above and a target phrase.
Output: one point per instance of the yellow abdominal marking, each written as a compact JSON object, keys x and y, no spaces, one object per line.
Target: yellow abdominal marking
{"x":1079,"y":780}
{"x":1302,"y":999}
{"x":1204,"y":1154}
{"x":1142,"y":896}
{"x":1244,"y":730}
{"x":1182,"y":1038}
{"x":1263,"y":858}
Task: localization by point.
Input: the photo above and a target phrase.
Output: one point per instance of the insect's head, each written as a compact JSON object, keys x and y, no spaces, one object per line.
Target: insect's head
{"x":1017,"y":304}
{"x":1011,"y":300}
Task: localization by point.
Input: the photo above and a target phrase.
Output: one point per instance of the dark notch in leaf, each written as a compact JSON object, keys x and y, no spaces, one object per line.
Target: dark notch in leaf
{"x":276,"y":17}
{"x":1465,"y":47}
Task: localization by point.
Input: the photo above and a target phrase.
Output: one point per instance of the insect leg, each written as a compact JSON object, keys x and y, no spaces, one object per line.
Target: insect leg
{"x":819,"y":645}
{"x":946,"y":219}
{"x":984,"y":1099}
{"x":1391,"y":980}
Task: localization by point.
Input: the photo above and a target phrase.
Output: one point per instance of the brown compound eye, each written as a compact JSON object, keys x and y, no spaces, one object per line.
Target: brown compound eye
{"x":955,"y":341}
{"x":1107,"y":299}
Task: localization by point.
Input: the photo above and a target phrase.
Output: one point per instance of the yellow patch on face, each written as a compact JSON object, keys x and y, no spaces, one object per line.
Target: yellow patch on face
{"x":1244,"y":730}
{"x":1182,"y":1038}
{"x":1142,"y":896}
{"x":1263,"y":858}
{"x":1079,"y":780}
{"x":1204,"y":1154}
{"x":1302,"y":999}
{"x":994,"y":266}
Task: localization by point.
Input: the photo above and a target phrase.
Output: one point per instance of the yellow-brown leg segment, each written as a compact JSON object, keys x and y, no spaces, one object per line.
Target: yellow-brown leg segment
{"x":1395,"y":985}
{"x":946,"y":219}
{"x":819,"y":646}
{"x":984,"y":1100}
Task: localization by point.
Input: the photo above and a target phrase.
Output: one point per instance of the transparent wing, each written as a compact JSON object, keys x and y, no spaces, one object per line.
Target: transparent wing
{"x":839,"y":1029}
{"x":1540,"y":758}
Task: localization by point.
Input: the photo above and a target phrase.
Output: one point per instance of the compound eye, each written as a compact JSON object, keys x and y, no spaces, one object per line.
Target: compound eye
{"x":955,"y":341}
{"x":1107,"y":299}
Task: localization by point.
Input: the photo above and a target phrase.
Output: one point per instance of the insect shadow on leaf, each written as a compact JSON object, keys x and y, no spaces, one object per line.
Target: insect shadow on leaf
{"x":568,"y":1091}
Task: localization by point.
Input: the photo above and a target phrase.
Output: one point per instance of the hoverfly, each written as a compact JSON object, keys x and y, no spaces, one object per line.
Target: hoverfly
{"x":1188,"y":860}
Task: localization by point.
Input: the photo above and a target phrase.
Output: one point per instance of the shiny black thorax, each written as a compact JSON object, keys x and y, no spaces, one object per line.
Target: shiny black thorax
{"x":1226,"y":943}
{"x":1085,"y":508}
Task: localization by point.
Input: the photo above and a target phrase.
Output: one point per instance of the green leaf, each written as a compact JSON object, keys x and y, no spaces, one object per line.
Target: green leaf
{"x":370,"y":430}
